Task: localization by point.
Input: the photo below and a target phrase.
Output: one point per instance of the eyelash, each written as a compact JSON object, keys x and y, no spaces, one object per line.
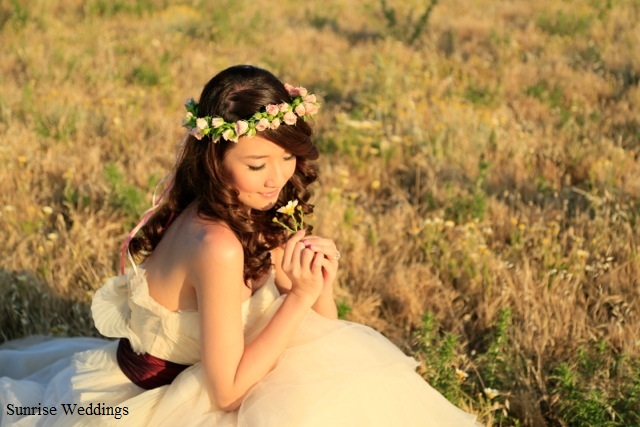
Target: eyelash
{"x":257,"y":168}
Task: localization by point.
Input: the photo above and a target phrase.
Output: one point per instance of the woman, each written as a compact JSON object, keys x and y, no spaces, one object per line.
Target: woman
{"x":230,"y":317}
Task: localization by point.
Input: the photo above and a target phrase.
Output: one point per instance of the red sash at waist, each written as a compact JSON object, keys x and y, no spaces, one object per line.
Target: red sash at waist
{"x":144,"y":370}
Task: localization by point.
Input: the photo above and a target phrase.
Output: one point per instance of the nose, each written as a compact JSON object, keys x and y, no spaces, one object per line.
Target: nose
{"x":276,"y":177}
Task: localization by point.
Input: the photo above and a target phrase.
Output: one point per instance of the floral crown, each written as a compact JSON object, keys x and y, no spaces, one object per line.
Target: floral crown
{"x":303,"y":105}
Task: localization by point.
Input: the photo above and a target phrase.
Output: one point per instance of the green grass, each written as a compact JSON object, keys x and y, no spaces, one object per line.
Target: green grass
{"x":477,"y":174}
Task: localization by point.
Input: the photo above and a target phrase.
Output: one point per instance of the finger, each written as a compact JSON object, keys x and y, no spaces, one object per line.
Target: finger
{"x":296,"y":258}
{"x":316,"y":266}
{"x":309,"y":240}
{"x":289,"y":247}
{"x":329,"y":250}
{"x":330,"y":263}
{"x":306,"y":257}
{"x":319,"y":244}
{"x":329,"y":266}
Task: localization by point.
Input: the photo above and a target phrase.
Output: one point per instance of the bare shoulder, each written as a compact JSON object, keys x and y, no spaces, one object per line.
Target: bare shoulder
{"x":217,"y":239}
{"x":217,"y":253}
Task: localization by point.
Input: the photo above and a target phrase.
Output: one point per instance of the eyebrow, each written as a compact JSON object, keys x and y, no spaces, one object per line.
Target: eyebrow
{"x":255,"y":157}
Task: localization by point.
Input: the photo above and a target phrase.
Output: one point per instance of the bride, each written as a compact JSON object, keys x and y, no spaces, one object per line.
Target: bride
{"x":229,"y":317}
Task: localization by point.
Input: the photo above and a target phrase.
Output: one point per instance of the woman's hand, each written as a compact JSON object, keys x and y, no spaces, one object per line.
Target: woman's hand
{"x":304,"y":267}
{"x":330,"y":255}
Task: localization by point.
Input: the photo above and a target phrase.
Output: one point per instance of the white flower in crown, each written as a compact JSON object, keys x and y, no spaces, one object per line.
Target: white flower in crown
{"x":201,"y":124}
{"x":263,"y":124}
{"x":229,"y":135}
{"x":187,"y":118}
{"x":241,"y":127}
{"x":216,"y":122}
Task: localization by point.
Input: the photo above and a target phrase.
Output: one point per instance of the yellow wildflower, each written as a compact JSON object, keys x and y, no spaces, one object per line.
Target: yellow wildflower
{"x":491,"y":393}
{"x":462,"y":375}
{"x":582,"y":254}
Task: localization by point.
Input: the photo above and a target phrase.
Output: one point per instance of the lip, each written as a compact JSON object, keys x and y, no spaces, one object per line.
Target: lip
{"x":271,"y":194}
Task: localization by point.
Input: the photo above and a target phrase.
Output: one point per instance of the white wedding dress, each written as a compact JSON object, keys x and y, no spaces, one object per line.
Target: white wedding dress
{"x":334,"y":373}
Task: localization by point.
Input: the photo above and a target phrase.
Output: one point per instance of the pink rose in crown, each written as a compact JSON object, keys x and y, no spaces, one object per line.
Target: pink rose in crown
{"x":284,"y":107}
{"x":302,"y":91}
{"x":309,"y":98}
{"x":300,"y":110}
{"x":241,"y":127}
{"x":195,"y":132}
{"x":292,"y":90}
{"x":275,"y":124}
{"x":310,"y":108}
{"x":272,"y":110}
{"x":216,"y":122}
{"x":263,"y":124}
{"x":289,"y":118}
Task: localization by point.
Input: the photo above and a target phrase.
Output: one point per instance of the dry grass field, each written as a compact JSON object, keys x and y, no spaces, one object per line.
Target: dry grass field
{"x":479,"y":174}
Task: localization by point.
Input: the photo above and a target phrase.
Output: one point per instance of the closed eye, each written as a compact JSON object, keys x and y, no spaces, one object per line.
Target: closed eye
{"x":256,"y":168}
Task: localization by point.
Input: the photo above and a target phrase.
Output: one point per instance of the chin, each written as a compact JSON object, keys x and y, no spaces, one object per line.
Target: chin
{"x":264,"y":207}
{"x":267,"y":206}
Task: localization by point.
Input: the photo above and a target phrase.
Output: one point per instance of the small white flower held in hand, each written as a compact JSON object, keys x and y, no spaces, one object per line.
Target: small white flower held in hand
{"x":290,"y":210}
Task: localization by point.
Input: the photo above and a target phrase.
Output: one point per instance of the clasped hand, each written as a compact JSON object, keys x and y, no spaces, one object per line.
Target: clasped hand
{"x":309,"y":263}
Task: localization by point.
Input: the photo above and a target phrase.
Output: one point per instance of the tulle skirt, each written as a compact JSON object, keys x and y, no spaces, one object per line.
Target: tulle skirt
{"x":334,"y":373}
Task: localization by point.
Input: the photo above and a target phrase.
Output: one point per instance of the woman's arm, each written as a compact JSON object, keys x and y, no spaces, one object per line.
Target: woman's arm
{"x":232,"y":366}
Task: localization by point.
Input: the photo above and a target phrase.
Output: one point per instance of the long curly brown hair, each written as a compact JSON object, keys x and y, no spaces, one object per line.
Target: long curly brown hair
{"x":198,"y":176}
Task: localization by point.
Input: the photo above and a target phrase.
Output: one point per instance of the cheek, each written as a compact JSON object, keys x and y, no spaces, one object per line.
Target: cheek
{"x":245,"y":183}
{"x":237,"y":180}
{"x":291,"y":170}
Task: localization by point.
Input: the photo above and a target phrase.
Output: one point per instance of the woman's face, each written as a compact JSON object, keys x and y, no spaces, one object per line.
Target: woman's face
{"x":258,"y":169}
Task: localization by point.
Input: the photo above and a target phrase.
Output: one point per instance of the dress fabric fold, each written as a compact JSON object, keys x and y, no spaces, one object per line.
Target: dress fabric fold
{"x":333,"y":373}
